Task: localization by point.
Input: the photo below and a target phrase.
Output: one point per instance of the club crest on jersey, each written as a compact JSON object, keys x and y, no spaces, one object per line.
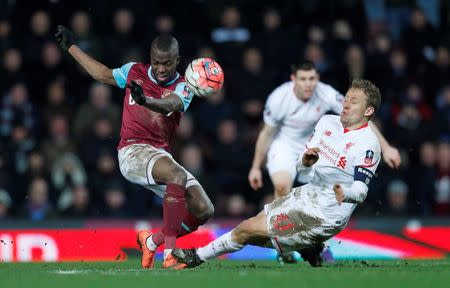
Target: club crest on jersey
{"x":327,"y":133}
{"x":186,"y":91}
{"x":166,"y":93}
{"x":369,"y":157}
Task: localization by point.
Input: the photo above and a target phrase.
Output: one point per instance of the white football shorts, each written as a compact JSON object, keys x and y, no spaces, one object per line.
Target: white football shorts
{"x":136,"y":164}
{"x":282,"y":157}
{"x":295,"y":221}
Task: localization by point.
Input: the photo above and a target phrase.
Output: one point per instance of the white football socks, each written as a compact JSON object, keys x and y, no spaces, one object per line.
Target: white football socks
{"x":167,"y":253}
{"x":220,"y":246}
{"x":150,"y":244}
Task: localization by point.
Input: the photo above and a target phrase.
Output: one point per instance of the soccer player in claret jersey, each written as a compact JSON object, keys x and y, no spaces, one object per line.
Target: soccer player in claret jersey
{"x":155,"y":97}
{"x":292,"y":110}
{"x":339,"y":161}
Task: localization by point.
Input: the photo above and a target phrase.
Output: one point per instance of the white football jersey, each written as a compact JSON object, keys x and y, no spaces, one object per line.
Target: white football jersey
{"x":296,"y":119}
{"x":345,"y":156}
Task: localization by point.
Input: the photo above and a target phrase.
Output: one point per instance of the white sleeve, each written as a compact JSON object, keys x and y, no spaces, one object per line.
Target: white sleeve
{"x":273,"y":110}
{"x":357,"y":193}
{"x":365,"y":164}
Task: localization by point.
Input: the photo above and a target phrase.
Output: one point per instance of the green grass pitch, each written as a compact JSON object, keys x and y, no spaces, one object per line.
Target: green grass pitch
{"x":230,"y":274}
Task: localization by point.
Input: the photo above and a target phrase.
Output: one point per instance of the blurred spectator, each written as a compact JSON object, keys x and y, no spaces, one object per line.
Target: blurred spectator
{"x":115,"y":202}
{"x":11,"y":69}
{"x":211,"y":111}
{"x":5,"y":204}
{"x":442,"y":119}
{"x":99,"y":141}
{"x":67,"y":172}
{"x":438,"y":73}
{"x":50,"y":67}
{"x":324,"y":67}
{"x":79,"y":205}
{"x":38,"y":206}
{"x":105,"y":175}
{"x":272,"y":41}
{"x":40,"y":34}
{"x":57,"y":101}
{"x":86,"y":40}
{"x":237,"y":207}
{"x":122,"y":40}
{"x":99,"y":104}
{"x":253,"y":82}
{"x":342,"y":38}
{"x":231,"y":162}
{"x":418,"y":39}
{"x":192,"y":158}
{"x":6,"y":40}
{"x":397,"y":198}
{"x":442,"y":197}
{"x":424,"y":178}
{"x":16,"y":108}
{"x":230,"y":37}
{"x":231,"y":29}
{"x":59,"y":141}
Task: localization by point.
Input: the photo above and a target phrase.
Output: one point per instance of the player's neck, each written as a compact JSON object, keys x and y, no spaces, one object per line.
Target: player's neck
{"x":355,"y":126}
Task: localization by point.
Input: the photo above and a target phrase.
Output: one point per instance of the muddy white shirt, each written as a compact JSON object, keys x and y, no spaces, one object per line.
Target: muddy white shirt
{"x":296,"y":119}
{"x":346,"y":157}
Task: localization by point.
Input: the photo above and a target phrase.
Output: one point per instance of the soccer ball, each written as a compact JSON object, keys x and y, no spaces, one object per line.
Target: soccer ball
{"x":204,"y":77}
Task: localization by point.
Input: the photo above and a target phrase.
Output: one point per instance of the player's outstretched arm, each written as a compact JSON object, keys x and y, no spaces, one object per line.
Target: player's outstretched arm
{"x":96,"y":69}
{"x":164,"y":106}
{"x":262,"y":146}
{"x":391,"y":155}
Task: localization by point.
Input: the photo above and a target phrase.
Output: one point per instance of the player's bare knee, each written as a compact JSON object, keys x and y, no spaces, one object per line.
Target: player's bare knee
{"x":204,"y":209}
{"x":282,"y":189}
{"x":178,"y":176}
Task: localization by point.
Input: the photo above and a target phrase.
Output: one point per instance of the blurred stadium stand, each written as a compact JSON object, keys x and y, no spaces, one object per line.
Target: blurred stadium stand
{"x":59,"y":128}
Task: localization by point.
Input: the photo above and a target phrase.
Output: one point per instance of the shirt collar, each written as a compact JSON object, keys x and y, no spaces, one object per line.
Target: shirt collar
{"x":150,"y":75}
{"x":360,"y":127}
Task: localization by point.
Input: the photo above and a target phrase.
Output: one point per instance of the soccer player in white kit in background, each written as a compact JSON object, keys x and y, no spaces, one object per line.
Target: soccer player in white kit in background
{"x":339,"y":161}
{"x":291,"y":112}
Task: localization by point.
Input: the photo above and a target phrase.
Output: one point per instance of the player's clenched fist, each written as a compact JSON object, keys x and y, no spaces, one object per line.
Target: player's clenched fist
{"x":255,"y":178}
{"x":64,"y":37}
{"x":137,"y":93}
{"x":339,"y":193}
{"x":310,"y":157}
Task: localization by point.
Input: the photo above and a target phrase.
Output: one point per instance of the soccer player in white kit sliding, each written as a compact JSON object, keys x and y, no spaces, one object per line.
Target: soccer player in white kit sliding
{"x":292,"y":110}
{"x":339,"y":160}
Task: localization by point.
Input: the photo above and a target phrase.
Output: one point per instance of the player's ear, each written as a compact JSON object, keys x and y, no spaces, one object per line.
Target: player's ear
{"x":369,"y":112}
{"x":292,"y":77}
{"x":178,"y":59}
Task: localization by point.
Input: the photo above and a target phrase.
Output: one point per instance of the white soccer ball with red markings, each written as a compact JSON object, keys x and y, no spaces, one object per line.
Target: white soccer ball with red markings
{"x":204,"y":77}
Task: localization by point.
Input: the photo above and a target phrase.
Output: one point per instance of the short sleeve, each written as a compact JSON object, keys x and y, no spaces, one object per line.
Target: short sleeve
{"x":366,"y":161}
{"x":185,"y":94}
{"x":273,"y":115}
{"x":121,"y":74}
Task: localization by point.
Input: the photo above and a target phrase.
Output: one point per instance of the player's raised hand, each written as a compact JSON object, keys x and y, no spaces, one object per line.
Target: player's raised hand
{"x":310,"y":157}
{"x":64,"y":37}
{"x":392,"y":157}
{"x":137,"y":93}
{"x":255,"y":178}
{"x":338,"y":193}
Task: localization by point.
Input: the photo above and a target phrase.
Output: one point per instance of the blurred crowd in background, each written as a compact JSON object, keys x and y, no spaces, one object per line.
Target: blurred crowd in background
{"x":59,"y":128}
